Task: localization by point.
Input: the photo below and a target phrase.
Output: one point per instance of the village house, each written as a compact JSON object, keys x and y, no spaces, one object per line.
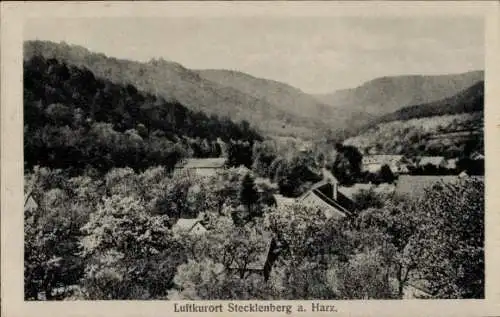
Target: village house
{"x":373,"y":163}
{"x":260,"y":264}
{"x":30,"y":203}
{"x":451,"y":163}
{"x":202,"y":166}
{"x":326,"y":196}
{"x":436,"y":161}
{"x":189,"y":226}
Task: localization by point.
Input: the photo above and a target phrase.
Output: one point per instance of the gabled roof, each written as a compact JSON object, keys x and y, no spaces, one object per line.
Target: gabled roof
{"x":218,"y":162}
{"x":29,"y":197}
{"x":324,"y":191}
{"x":185,"y":224}
{"x":381,"y":159}
{"x":433,"y":160}
{"x":415,"y":185}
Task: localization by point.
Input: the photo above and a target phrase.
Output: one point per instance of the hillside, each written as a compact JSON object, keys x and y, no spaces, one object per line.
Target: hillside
{"x":74,"y":119}
{"x":172,"y":81}
{"x":282,"y":96}
{"x":469,"y":100}
{"x":449,"y":135}
{"x":388,"y":94}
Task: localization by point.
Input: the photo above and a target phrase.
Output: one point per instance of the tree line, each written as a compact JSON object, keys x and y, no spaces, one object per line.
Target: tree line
{"x":73,"y":119}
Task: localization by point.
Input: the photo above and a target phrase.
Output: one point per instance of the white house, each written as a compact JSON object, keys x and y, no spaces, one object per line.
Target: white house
{"x":30,"y":203}
{"x":326,"y":196}
{"x":436,"y":161}
{"x":189,"y":226}
{"x":373,"y":163}
{"x":202,"y":167}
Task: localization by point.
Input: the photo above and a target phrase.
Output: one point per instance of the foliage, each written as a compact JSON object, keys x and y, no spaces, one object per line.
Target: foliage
{"x":130,"y":253}
{"x":347,"y":164}
{"x":451,"y":136}
{"x":74,"y":119}
{"x":454,"y":239}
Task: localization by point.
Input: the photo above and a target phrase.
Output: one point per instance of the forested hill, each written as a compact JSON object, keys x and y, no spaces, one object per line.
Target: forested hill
{"x":451,"y":127}
{"x":172,"y":81}
{"x":469,"y":100}
{"x":74,"y":119}
{"x":281,"y":95}
{"x":388,"y":94}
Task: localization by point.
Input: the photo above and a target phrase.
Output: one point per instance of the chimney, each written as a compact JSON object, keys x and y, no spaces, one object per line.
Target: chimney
{"x":335,"y":190}
{"x":328,"y":177}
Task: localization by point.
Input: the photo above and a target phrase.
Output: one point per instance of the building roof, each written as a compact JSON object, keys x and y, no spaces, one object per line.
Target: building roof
{"x":185,"y":224}
{"x":30,"y":198}
{"x":433,"y":160}
{"x":381,"y":159}
{"x":218,"y":162}
{"x":415,"y":185}
{"x":324,"y":191}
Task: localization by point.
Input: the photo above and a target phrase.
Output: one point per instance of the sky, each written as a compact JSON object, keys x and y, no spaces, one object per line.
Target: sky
{"x":314,"y":54}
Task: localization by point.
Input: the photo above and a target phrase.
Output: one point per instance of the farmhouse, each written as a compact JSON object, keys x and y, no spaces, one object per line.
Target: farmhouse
{"x":326,"y":195}
{"x":203,"y":166}
{"x":30,"y":203}
{"x":373,"y":163}
{"x":189,"y":226}
{"x":436,"y":161}
{"x":260,"y":264}
{"x":451,"y":163}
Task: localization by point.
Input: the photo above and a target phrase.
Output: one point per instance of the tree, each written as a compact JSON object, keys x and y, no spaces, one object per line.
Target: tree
{"x":386,"y":175}
{"x":347,"y":164}
{"x":249,"y":195}
{"x":453,"y":233}
{"x":263,"y":154}
{"x":438,"y":237}
{"x":130,"y":253}
{"x":51,"y":249}
{"x":365,"y":199}
{"x":208,"y":280}
{"x":365,"y":276}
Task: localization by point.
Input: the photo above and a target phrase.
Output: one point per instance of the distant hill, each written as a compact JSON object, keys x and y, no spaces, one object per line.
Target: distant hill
{"x":469,"y":100}
{"x":172,"y":81}
{"x":388,"y":94}
{"x":451,"y":127}
{"x":280,"y":95}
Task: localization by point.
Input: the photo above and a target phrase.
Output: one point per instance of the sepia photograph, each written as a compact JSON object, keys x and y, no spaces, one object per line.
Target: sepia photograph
{"x":253,"y":158}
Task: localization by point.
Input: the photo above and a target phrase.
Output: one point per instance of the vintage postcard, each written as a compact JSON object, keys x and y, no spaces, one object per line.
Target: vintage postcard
{"x":270,"y":158}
